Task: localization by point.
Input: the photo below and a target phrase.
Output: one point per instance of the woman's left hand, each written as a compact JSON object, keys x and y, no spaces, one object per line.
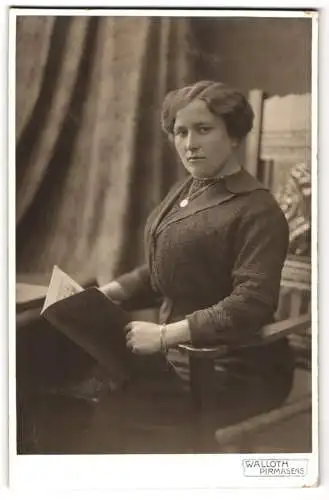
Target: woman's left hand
{"x":143,"y":337}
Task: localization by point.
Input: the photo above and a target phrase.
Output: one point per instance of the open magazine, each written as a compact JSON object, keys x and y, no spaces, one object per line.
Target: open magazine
{"x":91,"y":320}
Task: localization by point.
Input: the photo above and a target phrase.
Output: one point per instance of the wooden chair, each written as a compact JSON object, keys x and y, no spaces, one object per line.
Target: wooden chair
{"x":202,"y":368}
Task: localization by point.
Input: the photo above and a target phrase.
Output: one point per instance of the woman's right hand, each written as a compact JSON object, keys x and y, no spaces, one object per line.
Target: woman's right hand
{"x":114,"y":291}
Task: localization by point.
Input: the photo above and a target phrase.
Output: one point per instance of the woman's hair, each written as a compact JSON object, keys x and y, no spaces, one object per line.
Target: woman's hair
{"x":223,"y":101}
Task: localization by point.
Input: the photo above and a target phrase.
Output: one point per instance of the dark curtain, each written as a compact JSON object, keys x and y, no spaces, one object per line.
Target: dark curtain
{"x":91,"y":159}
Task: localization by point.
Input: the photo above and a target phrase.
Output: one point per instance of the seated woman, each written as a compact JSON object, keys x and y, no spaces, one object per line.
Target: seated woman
{"x":215,"y":248}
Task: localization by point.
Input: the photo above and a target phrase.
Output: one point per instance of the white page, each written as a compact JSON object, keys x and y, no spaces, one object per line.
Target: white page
{"x":60,"y":287}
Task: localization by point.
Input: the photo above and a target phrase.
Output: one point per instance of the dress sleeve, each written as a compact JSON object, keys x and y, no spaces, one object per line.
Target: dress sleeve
{"x":260,"y":247}
{"x":138,"y":289}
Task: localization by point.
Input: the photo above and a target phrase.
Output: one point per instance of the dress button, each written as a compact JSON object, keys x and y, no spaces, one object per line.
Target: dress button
{"x":183,"y":203}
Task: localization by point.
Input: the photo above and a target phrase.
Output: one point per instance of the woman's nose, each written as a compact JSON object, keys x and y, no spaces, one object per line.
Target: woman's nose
{"x":191,"y":141}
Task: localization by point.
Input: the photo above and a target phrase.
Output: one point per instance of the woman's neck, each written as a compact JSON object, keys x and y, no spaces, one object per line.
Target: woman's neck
{"x":230,"y":166}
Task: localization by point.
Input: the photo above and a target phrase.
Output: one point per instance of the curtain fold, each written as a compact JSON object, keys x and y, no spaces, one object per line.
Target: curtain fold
{"x":91,"y":159}
{"x":37,"y":137}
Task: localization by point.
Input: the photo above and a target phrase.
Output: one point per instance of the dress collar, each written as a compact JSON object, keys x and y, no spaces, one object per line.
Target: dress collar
{"x":234,"y":177}
{"x":231,"y":166}
{"x":242,"y":182}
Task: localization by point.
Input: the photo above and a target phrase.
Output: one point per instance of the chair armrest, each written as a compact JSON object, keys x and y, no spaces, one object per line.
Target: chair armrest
{"x":269,"y":333}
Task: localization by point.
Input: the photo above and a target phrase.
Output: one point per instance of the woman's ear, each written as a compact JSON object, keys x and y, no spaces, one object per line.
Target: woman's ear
{"x":171,"y":138}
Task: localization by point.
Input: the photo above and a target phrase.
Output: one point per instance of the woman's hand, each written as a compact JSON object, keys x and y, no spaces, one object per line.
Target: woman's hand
{"x":113,"y":291}
{"x":143,"y":337}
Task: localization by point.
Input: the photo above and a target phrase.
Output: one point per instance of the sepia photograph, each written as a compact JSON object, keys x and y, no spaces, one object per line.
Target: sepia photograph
{"x":163,"y":171}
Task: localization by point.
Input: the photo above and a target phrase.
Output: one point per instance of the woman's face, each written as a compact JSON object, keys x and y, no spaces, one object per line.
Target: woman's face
{"x":201,"y":140}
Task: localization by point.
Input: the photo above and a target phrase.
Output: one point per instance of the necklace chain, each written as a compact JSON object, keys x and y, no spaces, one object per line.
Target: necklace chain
{"x":190,"y":196}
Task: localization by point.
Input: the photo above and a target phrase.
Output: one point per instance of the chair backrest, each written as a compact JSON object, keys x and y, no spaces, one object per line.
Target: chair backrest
{"x":276,"y":152}
{"x":281,"y":135}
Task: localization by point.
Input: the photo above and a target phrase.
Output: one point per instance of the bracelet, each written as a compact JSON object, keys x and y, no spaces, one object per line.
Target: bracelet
{"x":163,"y":342}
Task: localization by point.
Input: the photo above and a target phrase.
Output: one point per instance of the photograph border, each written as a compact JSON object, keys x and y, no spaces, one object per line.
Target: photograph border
{"x":25,"y":471}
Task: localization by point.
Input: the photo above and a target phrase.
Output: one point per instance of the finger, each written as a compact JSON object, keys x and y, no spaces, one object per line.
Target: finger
{"x":129,"y":343}
{"x":127,"y":328}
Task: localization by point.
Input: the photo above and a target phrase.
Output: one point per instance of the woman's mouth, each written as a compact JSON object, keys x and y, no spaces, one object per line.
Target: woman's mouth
{"x":195,"y":159}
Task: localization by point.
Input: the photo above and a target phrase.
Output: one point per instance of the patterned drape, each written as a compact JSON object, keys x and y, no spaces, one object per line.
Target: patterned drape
{"x":295,"y":200}
{"x":91,"y":159}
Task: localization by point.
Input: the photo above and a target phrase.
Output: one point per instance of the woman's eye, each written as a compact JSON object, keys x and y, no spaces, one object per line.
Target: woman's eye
{"x":179,"y":133}
{"x":204,"y":130}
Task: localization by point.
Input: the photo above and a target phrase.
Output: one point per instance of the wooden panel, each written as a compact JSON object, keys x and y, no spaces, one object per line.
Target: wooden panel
{"x":296,"y":300}
{"x":253,"y":140}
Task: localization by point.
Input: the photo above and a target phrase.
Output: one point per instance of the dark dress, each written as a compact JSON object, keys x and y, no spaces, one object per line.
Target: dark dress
{"x":218,"y":262}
